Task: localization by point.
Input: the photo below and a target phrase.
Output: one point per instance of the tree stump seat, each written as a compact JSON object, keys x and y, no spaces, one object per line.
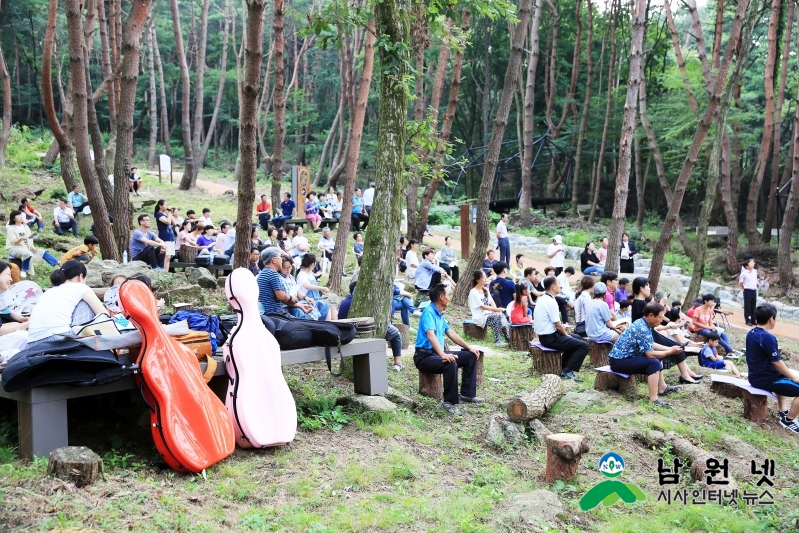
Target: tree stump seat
{"x":521,"y":335}
{"x":470,"y":329}
{"x":564,"y":451}
{"x":546,"y":360}
{"x":755,"y":400}
{"x":598,"y":351}
{"x":405,"y":334}
{"x":606,"y":380}
{"x":432,"y":385}
{"x":77,"y":464}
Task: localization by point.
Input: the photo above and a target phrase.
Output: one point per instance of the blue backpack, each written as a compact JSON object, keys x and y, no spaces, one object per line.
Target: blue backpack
{"x":199,"y":322}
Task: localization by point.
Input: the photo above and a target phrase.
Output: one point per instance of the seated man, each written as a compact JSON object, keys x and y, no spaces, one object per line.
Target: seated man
{"x":488,"y":263}
{"x":702,"y":322}
{"x":64,"y":218}
{"x":636,"y":353}
{"x":146,"y":246}
{"x":84,"y":253}
{"x":431,"y":358}
{"x":532,"y":278}
{"x":327,"y":244}
{"x":563,"y":304}
{"x":134,"y":181}
{"x":427,"y":274}
{"x":393,"y":336}
{"x":564,"y":280}
{"x":552,"y":334}
{"x":767,"y":370}
{"x":31,"y":211}
{"x":77,"y":200}
{"x":504,"y":288}
{"x":271,"y":292}
{"x":598,"y":322}
{"x":263,"y":210}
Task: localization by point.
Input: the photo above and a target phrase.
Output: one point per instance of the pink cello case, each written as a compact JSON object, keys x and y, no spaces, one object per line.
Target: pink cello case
{"x":259,"y":401}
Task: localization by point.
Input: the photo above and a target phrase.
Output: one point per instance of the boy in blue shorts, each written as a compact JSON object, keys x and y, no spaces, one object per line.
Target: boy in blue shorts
{"x":709,"y":356}
{"x":768,"y":371}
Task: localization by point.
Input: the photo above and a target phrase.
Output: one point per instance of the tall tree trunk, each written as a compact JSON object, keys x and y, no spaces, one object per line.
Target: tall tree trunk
{"x":5,"y":133}
{"x":731,"y":215}
{"x":97,"y":140}
{"x":768,"y":224}
{"x":64,"y":144}
{"x":165,"y":131}
{"x":189,"y":179}
{"x":108,"y":69}
{"x":675,"y":41}
{"x":627,"y":132}
{"x":578,"y":158}
{"x":608,"y":106}
{"x":662,"y":244}
{"x":768,"y":127}
{"x":221,"y":90}
{"x":131,"y":46}
{"x":353,"y":152}
{"x":640,"y":181}
{"x":494,"y":146}
{"x":525,"y":199}
{"x":784,"y":262}
{"x":199,"y":88}
{"x":80,"y":128}
{"x":373,"y":297}
{"x":328,"y":141}
{"x":151,"y":153}
{"x":248,"y":119}
{"x":280,"y":102}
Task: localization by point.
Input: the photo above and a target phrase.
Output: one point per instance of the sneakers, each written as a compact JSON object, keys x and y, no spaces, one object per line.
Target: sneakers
{"x":501,"y":343}
{"x":790,"y":425}
{"x":781,"y":416}
{"x":660,"y":403}
{"x":411,"y":330}
{"x":451,"y":409}
{"x":570,"y":375}
{"x":397,"y":368}
{"x":734,"y":355}
{"x":23,"y":274}
{"x":418,"y":312}
{"x":473,"y":399}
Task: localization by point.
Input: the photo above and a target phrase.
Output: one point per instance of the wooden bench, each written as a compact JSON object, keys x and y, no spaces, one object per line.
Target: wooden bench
{"x":329,"y":222}
{"x":432,"y":385}
{"x":296,"y":222}
{"x":546,"y":360}
{"x":755,"y":400}
{"x":521,"y":335}
{"x":606,"y":380}
{"x":216,"y":270}
{"x":42,"y":420}
{"x":470,"y":329}
{"x":598,"y":351}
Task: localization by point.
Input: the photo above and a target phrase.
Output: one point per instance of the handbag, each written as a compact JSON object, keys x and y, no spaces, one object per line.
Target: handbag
{"x":102,"y":324}
{"x":579,"y":329}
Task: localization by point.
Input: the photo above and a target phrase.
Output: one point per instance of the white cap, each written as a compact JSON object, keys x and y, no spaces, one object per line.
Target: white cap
{"x":558,"y":239}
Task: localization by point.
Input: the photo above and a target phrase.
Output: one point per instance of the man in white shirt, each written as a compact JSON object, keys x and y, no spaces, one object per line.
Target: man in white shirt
{"x":336,"y":204}
{"x":230,"y":241}
{"x":369,"y":198}
{"x":205,"y":220}
{"x":502,"y":239}
{"x":556,"y":253}
{"x":64,"y":218}
{"x":552,"y":334}
{"x":327,"y":244}
{"x":221,"y":239}
{"x":564,"y":282}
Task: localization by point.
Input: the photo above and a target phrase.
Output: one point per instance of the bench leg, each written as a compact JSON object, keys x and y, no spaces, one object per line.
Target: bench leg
{"x":371,"y":373}
{"x":42,"y":428}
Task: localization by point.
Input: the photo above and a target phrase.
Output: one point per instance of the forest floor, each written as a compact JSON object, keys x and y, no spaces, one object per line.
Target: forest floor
{"x":412,"y":470}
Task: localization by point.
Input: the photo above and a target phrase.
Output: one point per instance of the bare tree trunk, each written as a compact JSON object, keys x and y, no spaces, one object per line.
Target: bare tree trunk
{"x":80,"y":128}
{"x":131,"y":46}
{"x":768,"y":127}
{"x":353,"y":149}
{"x":165,"y":131}
{"x":108,"y":69}
{"x":768,"y":224}
{"x":526,"y":196}
{"x":199,"y":88}
{"x":789,"y":218}
{"x":248,"y":119}
{"x":627,"y":132}
{"x":662,"y":244}
{"x":151,"y":154}
{"x":675,"y":40}
{"x":492,"y":155}
{"x":608,"y":106}
{"x":94,"y":131}
{"x":578,"y":158}
{"x":330,"y":135}
{"x":189,"y":179}
{"x":420,"y":41}
{"x":639,"y":180}
{"x":5,"y":133}
{"x":730,"y":214}
{"x":221,"y":90}
{"x":280,"y":102}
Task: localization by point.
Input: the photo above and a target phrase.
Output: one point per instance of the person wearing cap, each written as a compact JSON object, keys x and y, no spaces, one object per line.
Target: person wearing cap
{"x":271,"y":292}
{"x":369,"y":198}
{"x":552,"y":333}
{"x":598,"y":321}
{"x":503,"y":243}
{"x":556,"y":253}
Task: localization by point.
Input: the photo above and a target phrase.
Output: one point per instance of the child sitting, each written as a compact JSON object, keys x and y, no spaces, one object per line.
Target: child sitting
{"x":520,"y":313}
{"x":358,"y":246}
{"x":709,"y":357}
{"x":624,"y":309}
{"x":85,"y":253}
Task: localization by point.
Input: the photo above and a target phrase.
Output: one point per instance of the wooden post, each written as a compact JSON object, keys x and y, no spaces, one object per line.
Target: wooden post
{"x":546,"y":361}
{"x":77,"y":464}
{"x":755,"y":407}
{"x":564,"y":451}
{"x":470,"y":329}
{"x":520,"y":337}
{"x":534,"y":404}
{"x":465,"y":232}
{"x":599,"y":353}
{"x":606,"y":381}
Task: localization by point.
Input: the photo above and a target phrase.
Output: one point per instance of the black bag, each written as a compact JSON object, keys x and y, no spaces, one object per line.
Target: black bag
{"x":221,"y":259}
{"x":204,"y":260}
{"x":579,"y":329}
{"x":323,"y":333}
{"x":290,"y":335}
{"x":228,"y":322}
{"x":63,"y":362}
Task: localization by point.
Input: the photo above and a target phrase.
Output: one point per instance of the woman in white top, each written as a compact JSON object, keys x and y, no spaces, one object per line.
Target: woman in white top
{"x":61,"y":307}
{"x":307,"y":288}
{"x":484,"y":310}
{"x":583,"y":296}
{"x":411,"y":260}
{"x":18,"y":240}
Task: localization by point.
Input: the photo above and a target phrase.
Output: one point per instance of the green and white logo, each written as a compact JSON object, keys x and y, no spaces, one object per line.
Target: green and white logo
{"x":610,"y":491}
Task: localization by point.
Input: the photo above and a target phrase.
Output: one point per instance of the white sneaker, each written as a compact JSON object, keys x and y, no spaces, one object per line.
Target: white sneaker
{"x":397,"y":368}
{"x":733,"y":355}
{"x":23,"y":274}
{"x":411,"y":330}
{"x":418,"y":312}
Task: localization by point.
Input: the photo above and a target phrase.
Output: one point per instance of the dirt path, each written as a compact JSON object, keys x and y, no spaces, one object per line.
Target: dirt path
{"x":216,"y":189}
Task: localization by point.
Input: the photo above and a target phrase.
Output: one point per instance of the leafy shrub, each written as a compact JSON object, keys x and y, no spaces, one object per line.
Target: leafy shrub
{"x":58,"y":193}
{"x":320,"y":413}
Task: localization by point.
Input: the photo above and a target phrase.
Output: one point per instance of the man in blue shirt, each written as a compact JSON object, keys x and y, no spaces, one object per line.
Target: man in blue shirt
{"x":427,"y":274}
{"x":768,"y":371}
{"x":358,"y":214}
{"x":77,"y":200}
{"x":431,"y":358}
{"x":271,"y":293}
{"x":636,"y":353}
{"x":146,"y":246}
{"x":505,"y":288}
{"x":287,"y":207}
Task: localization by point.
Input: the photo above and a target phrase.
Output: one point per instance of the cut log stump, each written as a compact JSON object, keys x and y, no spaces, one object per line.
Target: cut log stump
{"x":479,"y":371}
{"x":546,"y":361}
{"x":520,"y":337}
{"x":431,"y":385}
{"x":564,"y":451}
{"x":76,"y":464}
{"x":534,"y":404}
{"x":755,"y":407}
{"x":405,"y":334}
{"x":470,"y":329}
{"x":598,"y":351}
{"x":728,"y":390}
{"x":606,"y":381}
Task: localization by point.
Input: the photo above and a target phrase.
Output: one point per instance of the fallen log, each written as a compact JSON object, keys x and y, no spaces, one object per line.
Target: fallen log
{"x":534,"y":404}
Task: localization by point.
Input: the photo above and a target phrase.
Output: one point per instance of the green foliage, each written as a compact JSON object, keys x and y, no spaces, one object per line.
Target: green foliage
{"x":58,"y":193}
{"x":24,"y":146}
{"x":114,"y":459}
{"x":321,"y":413}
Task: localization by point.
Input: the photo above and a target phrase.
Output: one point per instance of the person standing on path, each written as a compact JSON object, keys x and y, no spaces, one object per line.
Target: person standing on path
{"x":369,"y":198}
{"x":556,"y":253}
{"x":502,"y":239}
{"x":749,"y":282}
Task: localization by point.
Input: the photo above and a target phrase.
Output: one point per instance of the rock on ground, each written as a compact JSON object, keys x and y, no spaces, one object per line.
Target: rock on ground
{"x":584,"y":399}
{"x":193,"y":294}
{"x":532,"y":508}
{"x":502,"y":431}
{"x":397,"y":397}
{"x":369,"y":403}
{"x":201,"y":276}
{"x":739,"y":448}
